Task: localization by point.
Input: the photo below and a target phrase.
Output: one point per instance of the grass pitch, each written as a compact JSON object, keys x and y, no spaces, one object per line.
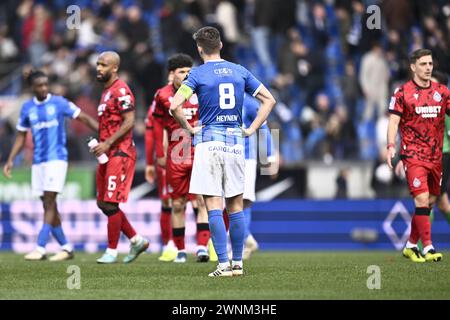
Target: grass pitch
{"x":269,"y":275}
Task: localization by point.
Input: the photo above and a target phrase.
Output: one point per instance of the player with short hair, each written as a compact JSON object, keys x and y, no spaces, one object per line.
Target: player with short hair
{"x":218,"y":169}
{"x":178,"y":158}
{"x":442,"y":201}
{"x":44,"y":115}
{"x":116,"y":114}
{"x":418,"y":109}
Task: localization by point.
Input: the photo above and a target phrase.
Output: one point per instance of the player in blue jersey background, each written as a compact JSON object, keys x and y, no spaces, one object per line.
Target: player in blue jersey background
{"x":44,"y":115}
{"x":218,"y":169}
{"x":263,"y":143}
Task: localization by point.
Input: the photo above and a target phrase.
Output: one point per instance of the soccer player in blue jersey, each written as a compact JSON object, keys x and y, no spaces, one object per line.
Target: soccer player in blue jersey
{"x":45,"y":116}
{"x":218,"y":169}
{"x":252,"y":144}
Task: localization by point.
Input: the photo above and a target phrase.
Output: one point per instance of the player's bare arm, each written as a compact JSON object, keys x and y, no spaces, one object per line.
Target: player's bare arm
{"x":394,"y":120}
{"x":267,"y":103}
{"x":18,"y":145}
{"x":160,"y":141}
{"x":88,"y":120}
{"x":162,"y":161}
{"x":176,"y":108}
{"x":127,"y":125}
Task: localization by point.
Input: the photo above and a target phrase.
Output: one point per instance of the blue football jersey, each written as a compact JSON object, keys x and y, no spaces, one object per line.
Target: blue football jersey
{"x":220,"y":86}
{"x":46,"y":120}
{"x":249,"y":113}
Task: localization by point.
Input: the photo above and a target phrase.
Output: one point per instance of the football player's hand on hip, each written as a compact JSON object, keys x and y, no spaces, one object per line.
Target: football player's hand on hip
{"x":194,"y":130}
{"x":247,"y":132}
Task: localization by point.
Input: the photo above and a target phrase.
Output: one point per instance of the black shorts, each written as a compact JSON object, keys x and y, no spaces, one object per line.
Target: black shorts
{"x":445,"y":171}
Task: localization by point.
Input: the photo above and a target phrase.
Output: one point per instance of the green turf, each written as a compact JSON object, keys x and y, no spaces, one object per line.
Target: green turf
{"x":269,"y":275}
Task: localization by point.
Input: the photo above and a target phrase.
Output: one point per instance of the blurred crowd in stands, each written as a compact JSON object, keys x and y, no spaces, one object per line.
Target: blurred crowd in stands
{"x":332,"y":75}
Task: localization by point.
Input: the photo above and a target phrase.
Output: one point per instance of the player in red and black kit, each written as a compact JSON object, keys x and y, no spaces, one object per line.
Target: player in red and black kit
{"x":418,"y":108}
{"x":169,"y":251}
{"x":114,"y":178}
{"x":179,"y":158}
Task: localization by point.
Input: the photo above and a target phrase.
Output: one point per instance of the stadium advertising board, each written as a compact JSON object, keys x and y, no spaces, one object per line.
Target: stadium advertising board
{"x":276,"y":225}
{"x":79,"y":185}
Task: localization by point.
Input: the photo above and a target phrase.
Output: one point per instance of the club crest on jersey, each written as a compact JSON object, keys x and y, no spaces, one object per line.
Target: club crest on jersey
{"x":437,"y":97}
{"x":428,"y":111}
{"x":416,"y":96}
{"x":50,"y":110}
{"x":416,"y":183}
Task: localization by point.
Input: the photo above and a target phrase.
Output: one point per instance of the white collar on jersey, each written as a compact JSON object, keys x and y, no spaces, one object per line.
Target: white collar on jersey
{"x":216,"y":60}
{"x":36,"y":101}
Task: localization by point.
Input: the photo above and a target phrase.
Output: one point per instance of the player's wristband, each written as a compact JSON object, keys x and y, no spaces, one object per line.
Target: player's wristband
{"x":389,"y":145}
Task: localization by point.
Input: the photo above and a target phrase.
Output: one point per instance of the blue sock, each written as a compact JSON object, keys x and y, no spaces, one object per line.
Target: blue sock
{"x":58,"y":233}
{"x":248,"y":219}
{"x":237,"y":232}
{"x":218,"y":234}
{"x":44,"y":234}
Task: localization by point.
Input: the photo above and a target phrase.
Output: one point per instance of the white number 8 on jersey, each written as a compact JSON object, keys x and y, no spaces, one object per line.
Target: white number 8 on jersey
{"x":226,"y":96}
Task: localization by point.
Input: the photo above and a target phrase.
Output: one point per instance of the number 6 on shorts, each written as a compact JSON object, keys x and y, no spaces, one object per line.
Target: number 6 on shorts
{"x":112,"y":183}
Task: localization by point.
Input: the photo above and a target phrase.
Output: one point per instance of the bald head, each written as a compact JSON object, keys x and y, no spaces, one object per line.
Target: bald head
{"x":112,"y":57}
{"x":108,"y":63}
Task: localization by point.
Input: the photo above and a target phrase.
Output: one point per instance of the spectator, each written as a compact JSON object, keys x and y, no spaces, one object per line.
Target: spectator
{"x":37,"y":31}
{"x":8,"y":49}
{"x":374,"y":80}
{"x":134,"y":28}
{"x":226,"y":16}
{"x":341,"y":184}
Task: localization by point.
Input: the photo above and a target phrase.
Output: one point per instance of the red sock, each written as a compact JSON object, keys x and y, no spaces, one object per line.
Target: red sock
{"x":166,"y":226}
{"x":203,"y":234}
{"x":178,"y":237}
{"x":424,"y":226}
{"x":126,"y":227}
{"x":114,"y":226}
{"x":414,"y":235}
{"x":226,"y":219}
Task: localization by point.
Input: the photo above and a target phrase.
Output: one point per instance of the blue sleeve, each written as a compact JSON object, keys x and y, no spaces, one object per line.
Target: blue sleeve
{"x":69,"y":108}
{"x":192,"y":79}
{"x":23,"y":124}
{"x":252,"y":85}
